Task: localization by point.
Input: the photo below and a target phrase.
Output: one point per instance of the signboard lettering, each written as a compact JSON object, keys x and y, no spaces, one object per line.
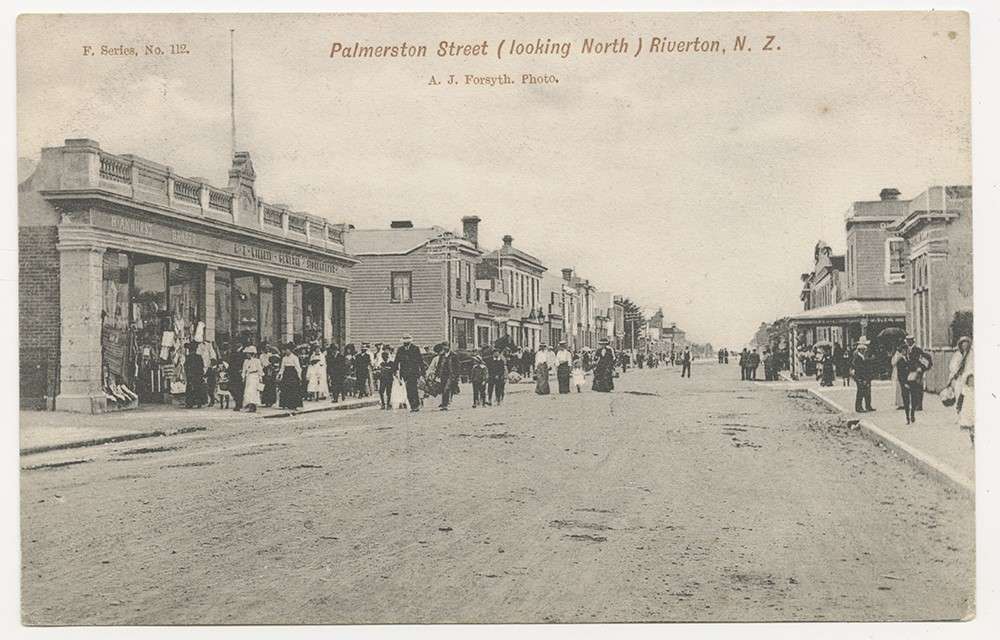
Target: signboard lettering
{"x":155,"y":231}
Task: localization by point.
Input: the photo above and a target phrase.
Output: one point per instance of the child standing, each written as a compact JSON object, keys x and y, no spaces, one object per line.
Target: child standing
{"x":222,"y":389}
{"x":579,"y":377}
{"x":479,"y":376}
{"x":212,"y":381}
{"x":385,"y":376}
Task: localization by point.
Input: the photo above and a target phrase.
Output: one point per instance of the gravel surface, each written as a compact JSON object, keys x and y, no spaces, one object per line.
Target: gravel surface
{"x":707,"y":499}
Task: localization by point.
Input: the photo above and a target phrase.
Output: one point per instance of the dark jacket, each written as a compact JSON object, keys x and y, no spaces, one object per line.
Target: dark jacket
{"x":409,"y":361}
{"x":862,"y":365}
{"x":362,"y":363}
{"x":194,"y":368}
{"x":497,"y":368}
{"x":479,"y":373}
{"x":449,"y":367}
{"x":336,"y":365}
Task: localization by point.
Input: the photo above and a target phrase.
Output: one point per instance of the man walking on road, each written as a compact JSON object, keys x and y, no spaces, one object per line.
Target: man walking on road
{"x":449,"y":370}
{"x":410,"y":367}
{"x":686,"y":363}
{"x":496,"y":365}
{"x":752,"y":364}
{"x":861,"y":369}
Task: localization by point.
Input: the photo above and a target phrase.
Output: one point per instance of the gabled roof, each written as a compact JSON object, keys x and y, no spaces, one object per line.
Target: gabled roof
{"x":371,"y":242}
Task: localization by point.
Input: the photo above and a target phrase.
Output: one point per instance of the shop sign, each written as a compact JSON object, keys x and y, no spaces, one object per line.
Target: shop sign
{"x":165,"y":233}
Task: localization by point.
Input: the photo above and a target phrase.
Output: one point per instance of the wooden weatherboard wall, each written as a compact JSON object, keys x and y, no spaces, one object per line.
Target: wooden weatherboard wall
{"x":376,"y":318}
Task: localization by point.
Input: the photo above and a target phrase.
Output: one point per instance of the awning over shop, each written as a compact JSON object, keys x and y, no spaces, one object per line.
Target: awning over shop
{"x":850,"y":310}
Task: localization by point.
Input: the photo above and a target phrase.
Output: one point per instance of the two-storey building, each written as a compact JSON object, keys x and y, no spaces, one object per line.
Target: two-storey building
{"x":517,"y":276}
{"x":124,"y":262}
{"x":931,"y":253}
{"x":864,"y":292}
{"x":421,"y":281}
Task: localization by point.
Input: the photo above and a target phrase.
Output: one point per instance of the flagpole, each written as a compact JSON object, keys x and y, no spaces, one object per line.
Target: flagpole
{"x":232,"y":96}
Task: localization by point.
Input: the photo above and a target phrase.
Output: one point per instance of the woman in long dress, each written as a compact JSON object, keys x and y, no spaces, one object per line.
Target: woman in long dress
{"x":961,"y":369}
{"x":542,"y":371}
{"x":252,"y":373}
{"x":290,"y":381}
{"x":316,"y":374}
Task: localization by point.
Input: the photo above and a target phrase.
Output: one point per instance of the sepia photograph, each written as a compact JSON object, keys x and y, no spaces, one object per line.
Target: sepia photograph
{"x":494,"y":318}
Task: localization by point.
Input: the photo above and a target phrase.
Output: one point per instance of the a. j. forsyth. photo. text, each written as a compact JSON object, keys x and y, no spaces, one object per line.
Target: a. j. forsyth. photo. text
{"x":495,"y":318}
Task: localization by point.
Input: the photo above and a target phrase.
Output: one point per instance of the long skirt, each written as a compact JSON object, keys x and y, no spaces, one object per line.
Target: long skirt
{"x":542,"y":379}
{"x":603,"y":380}
{"x":270,"y":393}
{"x":290,"y":389}
{"x":562,"y":374}
{"x":194,"y":394}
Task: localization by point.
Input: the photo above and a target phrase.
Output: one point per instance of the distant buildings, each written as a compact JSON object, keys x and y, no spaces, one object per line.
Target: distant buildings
{"x":124,"y":263}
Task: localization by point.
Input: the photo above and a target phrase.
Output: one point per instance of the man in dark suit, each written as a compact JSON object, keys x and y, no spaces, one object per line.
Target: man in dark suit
{"x":686,"y":363}
{"x":362,"y":371}
{"x":496,"y":365}
{"x":410,"y":367}
{"x":449,"y":371}
{"x":336,"y":373}
{"x":918,"y":363}
{"x":862,"y":370}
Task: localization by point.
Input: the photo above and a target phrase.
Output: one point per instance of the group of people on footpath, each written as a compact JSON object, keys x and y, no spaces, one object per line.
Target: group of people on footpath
{"x":908,"y":365}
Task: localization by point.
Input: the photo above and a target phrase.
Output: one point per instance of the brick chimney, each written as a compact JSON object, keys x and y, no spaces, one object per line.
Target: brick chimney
{"x":567,"y":273}
{"x":401,"y":224}
{"x":508,"y":240}
{"x":470,"y":229}
{"x":889,"y":193}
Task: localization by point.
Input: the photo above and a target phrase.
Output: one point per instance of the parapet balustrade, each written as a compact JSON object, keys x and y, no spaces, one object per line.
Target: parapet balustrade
{"x":147,"y":181}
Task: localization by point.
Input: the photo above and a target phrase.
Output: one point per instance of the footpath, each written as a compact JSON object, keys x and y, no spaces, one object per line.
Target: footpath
{"x":934,"y":443}
{"x":42,"y":431}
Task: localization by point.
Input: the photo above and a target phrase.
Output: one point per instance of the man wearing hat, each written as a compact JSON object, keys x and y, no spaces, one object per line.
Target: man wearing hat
{"x":449,"y":371}
{"x":686,"y":363}
{"x":918,"y":362}
{"x":564,"y":366}
{"x":410,"y":367}
{"x":862,"y":366}
{"x":362,"y":371}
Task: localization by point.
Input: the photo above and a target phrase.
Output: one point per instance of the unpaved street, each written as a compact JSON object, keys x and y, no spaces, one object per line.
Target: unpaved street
{"x":705,"y":499}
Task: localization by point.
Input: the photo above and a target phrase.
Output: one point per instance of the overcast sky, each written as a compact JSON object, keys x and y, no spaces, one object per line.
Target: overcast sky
{"x":695,"y":182}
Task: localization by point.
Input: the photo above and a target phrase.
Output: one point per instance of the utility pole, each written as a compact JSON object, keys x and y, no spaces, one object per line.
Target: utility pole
{"x":232,"y":95}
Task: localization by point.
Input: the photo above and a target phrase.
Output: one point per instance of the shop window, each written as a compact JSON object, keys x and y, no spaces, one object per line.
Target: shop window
{"x":462,"y":330}
{"x":186,"y":294}
{"x":116,"y":289}
{"x":272,"y":296}
{"x":402,"y":286}
{"x":246,"y":308}
{"x":312,"y":313}
{"x":150,"y":311}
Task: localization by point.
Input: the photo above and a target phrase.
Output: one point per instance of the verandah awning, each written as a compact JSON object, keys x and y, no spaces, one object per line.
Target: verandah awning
{"x":849,"y":310}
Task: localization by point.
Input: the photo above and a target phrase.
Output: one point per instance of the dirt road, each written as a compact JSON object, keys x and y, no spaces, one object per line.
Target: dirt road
{"x":706,"y":499}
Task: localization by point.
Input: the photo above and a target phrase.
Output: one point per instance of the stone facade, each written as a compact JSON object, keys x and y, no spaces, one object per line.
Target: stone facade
{"x":83,"y":202}
{"x":937,"y":230}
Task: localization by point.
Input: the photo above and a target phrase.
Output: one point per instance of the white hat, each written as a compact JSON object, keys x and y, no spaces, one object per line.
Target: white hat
{"x":250,"y":349}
